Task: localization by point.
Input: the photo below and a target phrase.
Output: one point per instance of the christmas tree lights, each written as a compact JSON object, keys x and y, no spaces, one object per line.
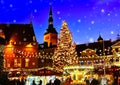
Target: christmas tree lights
{"x":65,"y":53}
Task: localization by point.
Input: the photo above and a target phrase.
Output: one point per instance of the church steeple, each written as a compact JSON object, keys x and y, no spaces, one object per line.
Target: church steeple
{"x":100,"y":39}
{"x":50,"y":28}
{"x":50,"y":16}
{"x":50,"y":36}
{"x":31,"y":17}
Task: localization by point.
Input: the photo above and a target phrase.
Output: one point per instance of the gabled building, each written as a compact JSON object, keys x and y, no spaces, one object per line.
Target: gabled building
{"x":102,"y":47}
{"x":47,"y":49}
{"x":20,"y":48}
{"x":103,"y":52}
{"x":116,"y":52}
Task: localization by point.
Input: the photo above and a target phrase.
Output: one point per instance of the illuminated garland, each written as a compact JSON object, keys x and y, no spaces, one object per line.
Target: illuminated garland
{"x":24,"y":54}
{"x":65,"y":53}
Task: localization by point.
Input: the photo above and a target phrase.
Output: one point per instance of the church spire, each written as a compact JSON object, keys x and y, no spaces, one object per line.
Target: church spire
{"x":50,"y":16}
{"x":50,"y":28}
{"x":100,"y":38}
{"x":31,"y":17}
{"x":50,"y":36}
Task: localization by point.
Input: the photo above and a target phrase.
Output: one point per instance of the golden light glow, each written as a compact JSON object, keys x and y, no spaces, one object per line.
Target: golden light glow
{"x":9,"y":45}
{"x":50,"y":38}
{"x":78,"y":67}
{"x":29,"y":45}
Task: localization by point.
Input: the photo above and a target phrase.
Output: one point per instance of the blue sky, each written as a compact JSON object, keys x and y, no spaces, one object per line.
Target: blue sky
{"x":86,"y":18}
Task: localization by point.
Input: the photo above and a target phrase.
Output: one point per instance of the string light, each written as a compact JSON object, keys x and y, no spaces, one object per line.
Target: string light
{"x":22,"y":53}
{"x":65,"y":53}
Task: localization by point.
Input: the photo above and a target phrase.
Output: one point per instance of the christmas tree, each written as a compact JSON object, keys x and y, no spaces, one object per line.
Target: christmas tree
{"x":65,"y":53}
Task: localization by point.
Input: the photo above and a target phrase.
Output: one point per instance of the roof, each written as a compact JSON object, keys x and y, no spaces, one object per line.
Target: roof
{"x":18,"y":32}
{"x":97,"y":46}
{"x":116,"y":45}
{"x":100,"y":38}
{"x":50,"y":29}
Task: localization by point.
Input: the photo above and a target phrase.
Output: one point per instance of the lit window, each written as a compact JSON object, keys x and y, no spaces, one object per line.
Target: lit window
{"x":34,"y":38}
{"x":15,"y":62}
{"x":1,"y":30}
{"x":8,"y":63}
{"x":33,"y":63}
{"x":26,"y":62}
{"x":14,"y":43}
{"x":119,"y":49}
{"x":19,"y":62}
{"x":34,"y":43}
{"x":19,"y":43}
{"x":24,"y":39}
{"x":88,"y":62}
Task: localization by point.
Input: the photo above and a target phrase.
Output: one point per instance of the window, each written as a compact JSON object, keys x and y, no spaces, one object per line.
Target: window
{"x":15,"y":62}
{"x":20,"y":43}
{"x":19,"y":62}
{"x":34,"y":38}
{"x":14,"y":43}
{"x":26,"y":62}
{"x":34,"y":43}
{"x":1,"y":31}
{"x":24,"y":39}
{"x":88,"y":62}
{"x":8,"y":63}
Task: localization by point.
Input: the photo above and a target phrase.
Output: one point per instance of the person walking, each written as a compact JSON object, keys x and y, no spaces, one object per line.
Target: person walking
{"x":40,"y":82}
{"x":50,"y":83}
{"x":33,"y":83}
{"x":57,"y":81}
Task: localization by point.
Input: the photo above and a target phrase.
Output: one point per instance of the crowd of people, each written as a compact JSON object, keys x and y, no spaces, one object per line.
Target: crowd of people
{"x":101,"y":81}
{"x":56,"y":82}
{"x":17,"y":82}
{"x":88,"y":81}
{"x":25,"y":82}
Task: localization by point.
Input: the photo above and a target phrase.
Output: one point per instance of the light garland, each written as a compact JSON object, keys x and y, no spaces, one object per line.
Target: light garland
{"x":25,"y":54}
{"x":65,"y":53}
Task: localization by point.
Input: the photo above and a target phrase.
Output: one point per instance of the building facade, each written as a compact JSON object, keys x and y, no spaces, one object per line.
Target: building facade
{"x":23,"y":54}
{"x":20,"y":48}
{"x":51,"y":35}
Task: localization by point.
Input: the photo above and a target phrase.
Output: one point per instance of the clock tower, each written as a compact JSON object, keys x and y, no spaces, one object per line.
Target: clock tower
{"x":50,"y":36}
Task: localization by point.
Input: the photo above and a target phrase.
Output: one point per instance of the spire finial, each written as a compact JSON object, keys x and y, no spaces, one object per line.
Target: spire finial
{"x":99,"y":33}
{"x":50,"y":9}
{"x":100,"y":38}
{"x":50,"y":15}
{"x":31,"y":17}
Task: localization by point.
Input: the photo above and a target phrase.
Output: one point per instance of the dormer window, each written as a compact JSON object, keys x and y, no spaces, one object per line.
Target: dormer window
{"x":34,"y":38}
{"x":1,"y":30}
{"x":24,"y":39}
{"x":23,"y":31}
{"x":2,"y":33}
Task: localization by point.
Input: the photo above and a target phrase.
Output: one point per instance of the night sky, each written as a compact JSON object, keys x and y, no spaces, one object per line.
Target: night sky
{"x":87,"y":19}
